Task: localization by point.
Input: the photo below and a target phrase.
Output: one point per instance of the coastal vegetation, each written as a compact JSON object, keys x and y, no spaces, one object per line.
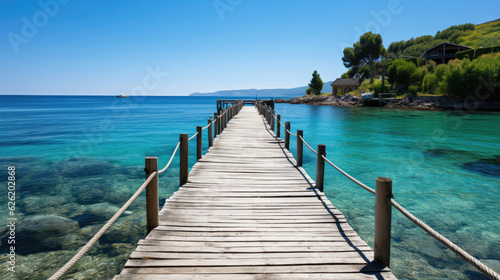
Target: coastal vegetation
{"x":367,"y":51}
{"x":474,"y":72}
{"x":316,"y":84}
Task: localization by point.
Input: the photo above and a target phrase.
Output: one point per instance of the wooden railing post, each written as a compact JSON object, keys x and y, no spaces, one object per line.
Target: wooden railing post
{"x":184,"y":159}
{"x":320,"y":167}
{"x":199,"y":142}
{"x":287,"y":135}
{"x":383,"y":212}
{"x":300,"y":146}
{"x":268,"y":114}
{"x":210,"y":133}
{"x":152,"y":203}
{"x":272,"y":121}
{"x":216,"y":125}
{"x":278,"y":126}
{"x":223,"y":124}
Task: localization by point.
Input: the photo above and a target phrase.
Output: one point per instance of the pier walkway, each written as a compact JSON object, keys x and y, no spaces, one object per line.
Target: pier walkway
{"x":249,"y":212}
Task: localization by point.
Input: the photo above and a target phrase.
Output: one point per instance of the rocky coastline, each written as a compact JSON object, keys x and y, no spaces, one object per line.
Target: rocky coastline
{"x":416,"y":103}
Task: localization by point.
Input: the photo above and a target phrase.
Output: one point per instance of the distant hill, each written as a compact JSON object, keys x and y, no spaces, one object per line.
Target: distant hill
{"x":280,"y":92}
{"x":476,"y":36}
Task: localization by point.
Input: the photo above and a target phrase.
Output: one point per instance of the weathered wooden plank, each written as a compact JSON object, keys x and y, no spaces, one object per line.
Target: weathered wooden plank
{"x":274,"y":276}
{"x":263,"y":238}
{"x":233,"y":244}
{"x":347,"y":268}
{"x":261,"y":249}
{"x":240,"y":262}
{"x":183,"y":255}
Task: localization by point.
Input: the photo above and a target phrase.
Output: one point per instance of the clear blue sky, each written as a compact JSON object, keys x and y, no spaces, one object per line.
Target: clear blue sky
{"x":91,"y":47}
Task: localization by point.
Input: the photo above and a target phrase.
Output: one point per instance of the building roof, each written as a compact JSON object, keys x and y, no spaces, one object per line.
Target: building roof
{"x":436,"y":46}
{"x":346,"y":81}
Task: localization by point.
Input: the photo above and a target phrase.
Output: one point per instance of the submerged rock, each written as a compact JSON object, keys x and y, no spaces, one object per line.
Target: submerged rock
{"x":43,"y":204}
{"x":83,"y":166}
{"x":126,"y":230}
{"x":92,"y":190}
{"x":487,"y":166}
{"x":97,"y":213}
{"x":48,"y":232}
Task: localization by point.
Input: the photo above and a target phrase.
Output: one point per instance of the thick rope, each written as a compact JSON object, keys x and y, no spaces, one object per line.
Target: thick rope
{"x":171,"y":158}
{"x":280,"y":123}
{"x":94,"y":239}
{"x":191,"y":138}
{"x":349,"y":176}
{"x":291,"y":133}
{"x":208,"y":125}
{"x":443,"y":240}
{"x":307,"y":145}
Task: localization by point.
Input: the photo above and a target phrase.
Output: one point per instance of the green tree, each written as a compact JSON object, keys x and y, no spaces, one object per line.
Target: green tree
{"x":400,"y":72}
{"x":316,"y":84}
{"x":366,"y":51}
{"x":429,"y":83}
{"x":369,"y":49}
{"x":418,"y":75}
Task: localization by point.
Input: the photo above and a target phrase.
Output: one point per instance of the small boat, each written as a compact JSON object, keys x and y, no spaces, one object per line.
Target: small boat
{"x":121,"y":96}
{"x":367,"y":95}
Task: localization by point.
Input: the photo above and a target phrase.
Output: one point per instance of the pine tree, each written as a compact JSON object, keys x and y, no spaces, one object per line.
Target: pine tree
{"x":316,"y":84}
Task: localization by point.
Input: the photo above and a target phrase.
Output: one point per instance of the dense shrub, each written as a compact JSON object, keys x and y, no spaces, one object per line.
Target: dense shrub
{"x":429,"y":83}
{"x":471,"y":54}
{"x":412,"y":91}
{"x":431,"y":65}
{"x":441,"y":71}
{"x":479,"y":77}
{"x":482,"y":51}
{"x":418,"y":76}
{"x":400,"y":73}
{"x":465,"y":54}
{"x":376,"y":87}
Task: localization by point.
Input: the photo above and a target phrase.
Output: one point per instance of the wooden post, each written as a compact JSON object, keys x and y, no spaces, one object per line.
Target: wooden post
{"x":210,"y":136}
{"x":199,"y":142}
{"x":268,"y":114}
{"x":216,"y":125}
{"x":152,"y":203}
{"x":300,"y":146}
{"x":272,"y":121}
{"x":287,"y":135}
{"x":320,"y":167}
{"x":278,"y":126}
{"x":383,"y":212}
{"x":184,"y":159}
{"x":223,"y":123}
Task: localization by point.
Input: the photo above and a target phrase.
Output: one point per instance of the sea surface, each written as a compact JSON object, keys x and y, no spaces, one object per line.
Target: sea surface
{"x":77,"y":159}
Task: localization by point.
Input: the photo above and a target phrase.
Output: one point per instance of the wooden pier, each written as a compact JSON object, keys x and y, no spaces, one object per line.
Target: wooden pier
{"x":248,"y":211}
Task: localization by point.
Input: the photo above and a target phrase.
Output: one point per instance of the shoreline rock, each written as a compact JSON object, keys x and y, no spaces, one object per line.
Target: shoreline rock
{"x":436,"y":103}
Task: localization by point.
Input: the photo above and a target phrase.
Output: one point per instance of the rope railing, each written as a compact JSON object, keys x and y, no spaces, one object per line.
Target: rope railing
{"x":104,"y":228}
{"x":171,"y":158}
{"x":446,"y":242}
{"x":194,"y":135}
{"x":307,"y":145}
{"x":349,"y":176}
{"x":383,"y":254}
{"x":208,"y":125}
{"x":151,"y":179}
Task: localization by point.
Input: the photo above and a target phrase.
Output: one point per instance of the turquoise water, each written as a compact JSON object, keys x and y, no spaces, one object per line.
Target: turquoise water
{"x":79,"y":158}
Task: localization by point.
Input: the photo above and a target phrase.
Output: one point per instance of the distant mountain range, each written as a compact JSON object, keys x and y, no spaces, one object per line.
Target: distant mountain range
{"x":279,"y":92}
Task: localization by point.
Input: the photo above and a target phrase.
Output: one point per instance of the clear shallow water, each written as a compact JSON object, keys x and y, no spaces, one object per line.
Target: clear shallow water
{"x":80,"y":158}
